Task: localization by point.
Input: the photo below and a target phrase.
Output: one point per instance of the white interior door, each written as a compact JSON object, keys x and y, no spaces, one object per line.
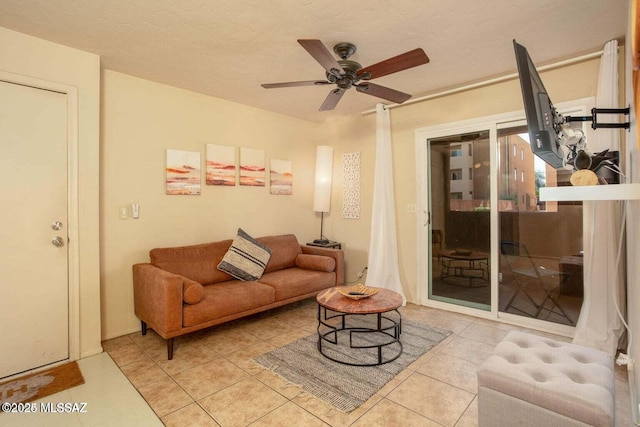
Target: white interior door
{"x":34,"y":284}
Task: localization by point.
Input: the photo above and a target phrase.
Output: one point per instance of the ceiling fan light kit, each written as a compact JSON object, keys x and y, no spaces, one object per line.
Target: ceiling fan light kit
{"x":346,"y":74}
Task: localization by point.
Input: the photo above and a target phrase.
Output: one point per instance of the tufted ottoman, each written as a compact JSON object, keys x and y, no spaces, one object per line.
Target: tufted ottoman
{"x":534,"y":381}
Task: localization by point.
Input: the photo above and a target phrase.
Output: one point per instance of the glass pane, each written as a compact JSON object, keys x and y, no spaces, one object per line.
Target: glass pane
{"x":541,"y":269}
{"x":459,"y":200}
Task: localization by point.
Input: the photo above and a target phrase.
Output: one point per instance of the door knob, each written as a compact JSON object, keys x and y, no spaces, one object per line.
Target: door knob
{"x":56,"y":225}
{"x":57,"y":241}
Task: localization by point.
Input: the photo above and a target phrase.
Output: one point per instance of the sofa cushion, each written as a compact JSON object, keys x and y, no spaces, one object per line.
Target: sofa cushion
{"x":192,"y":292}
{"x":284,"y":250}
{"x":316,"y":262}
{"x":293,"y":282}
{"x":196,"y":262}
{"x":246,"y":258}
{"x":227,"y":298}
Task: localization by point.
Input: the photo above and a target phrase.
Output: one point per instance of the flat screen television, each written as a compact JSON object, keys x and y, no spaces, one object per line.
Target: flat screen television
{"x":543,"y":120}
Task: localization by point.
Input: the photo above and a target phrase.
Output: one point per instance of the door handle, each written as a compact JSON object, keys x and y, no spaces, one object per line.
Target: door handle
{"x":56,"y":225}
{"x":57,"y":241}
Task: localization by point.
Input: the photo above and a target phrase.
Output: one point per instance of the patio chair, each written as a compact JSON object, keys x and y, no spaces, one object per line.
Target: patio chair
{"x":436,"y":244}
{"x":529,"y":277}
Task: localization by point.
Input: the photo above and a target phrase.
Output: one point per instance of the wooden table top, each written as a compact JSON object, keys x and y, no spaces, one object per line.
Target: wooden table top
{"x":385,"y":300}
{"x":473,"y":256}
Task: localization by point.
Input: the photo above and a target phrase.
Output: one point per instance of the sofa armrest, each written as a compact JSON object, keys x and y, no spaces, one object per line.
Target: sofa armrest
{"x":336,"y":254}
{"x":157,"y":297}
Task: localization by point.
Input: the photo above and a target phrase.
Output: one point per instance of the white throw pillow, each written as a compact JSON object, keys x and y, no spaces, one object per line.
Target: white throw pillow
{"x":246,"y":259}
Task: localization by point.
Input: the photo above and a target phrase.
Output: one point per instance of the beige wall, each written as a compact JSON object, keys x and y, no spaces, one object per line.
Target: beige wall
{"x":140,"y":120}
{"x":357,"y":133}
{"x":36,"y":58}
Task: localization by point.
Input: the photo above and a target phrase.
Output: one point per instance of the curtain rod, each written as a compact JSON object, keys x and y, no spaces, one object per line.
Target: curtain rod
{"x":500,"y":79}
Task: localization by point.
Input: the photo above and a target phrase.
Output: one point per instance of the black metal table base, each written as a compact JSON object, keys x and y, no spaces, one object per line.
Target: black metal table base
{"x":386,"y":327}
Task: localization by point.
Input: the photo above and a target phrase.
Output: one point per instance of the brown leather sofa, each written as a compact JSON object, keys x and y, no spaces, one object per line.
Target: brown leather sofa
{"x":182,"y":291}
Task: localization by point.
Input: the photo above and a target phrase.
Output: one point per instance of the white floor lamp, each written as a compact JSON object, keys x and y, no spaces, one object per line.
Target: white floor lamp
{"x":322,"y":191}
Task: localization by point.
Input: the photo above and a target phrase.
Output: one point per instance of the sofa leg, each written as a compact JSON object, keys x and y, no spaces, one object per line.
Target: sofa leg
{"x":144,"y":327}
{"x":170,"y":348}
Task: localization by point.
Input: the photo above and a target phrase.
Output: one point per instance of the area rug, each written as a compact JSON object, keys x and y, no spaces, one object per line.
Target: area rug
{"x":35,"y":386}
{"x":346,"y":387}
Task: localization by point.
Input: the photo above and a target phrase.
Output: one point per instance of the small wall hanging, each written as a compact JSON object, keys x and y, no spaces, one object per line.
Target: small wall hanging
{"x":351,"y":186}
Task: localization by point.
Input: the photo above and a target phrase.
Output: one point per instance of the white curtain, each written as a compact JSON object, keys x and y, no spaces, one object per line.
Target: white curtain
{"x":599,"y":325}
{"x":382,"y":265}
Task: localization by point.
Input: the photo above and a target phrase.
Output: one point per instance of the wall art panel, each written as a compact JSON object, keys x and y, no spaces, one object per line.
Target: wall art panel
{"x":351,"y":186}
{"x":221,"y":165}
{"x":183,"y":172}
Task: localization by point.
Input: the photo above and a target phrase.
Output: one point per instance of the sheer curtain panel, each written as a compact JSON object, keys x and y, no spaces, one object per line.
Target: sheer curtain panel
{"x":383,"y":269}
{"x":599,"y":325}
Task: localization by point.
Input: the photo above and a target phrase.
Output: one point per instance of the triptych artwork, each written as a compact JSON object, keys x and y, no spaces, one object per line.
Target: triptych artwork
{"x":183,"y":176}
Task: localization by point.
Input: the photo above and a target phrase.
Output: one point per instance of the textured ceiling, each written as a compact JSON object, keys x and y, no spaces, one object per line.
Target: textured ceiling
{"x":227,"y":48}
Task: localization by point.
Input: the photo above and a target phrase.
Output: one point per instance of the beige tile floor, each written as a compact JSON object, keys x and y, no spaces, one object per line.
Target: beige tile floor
{"x":212,"y":381}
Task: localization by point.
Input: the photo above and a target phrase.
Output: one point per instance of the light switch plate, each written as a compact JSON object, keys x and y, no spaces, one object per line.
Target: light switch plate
{"x":124,"y":212}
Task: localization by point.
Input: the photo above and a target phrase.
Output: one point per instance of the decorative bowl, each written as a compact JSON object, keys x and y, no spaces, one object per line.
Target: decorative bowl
{"x":358,"y":291}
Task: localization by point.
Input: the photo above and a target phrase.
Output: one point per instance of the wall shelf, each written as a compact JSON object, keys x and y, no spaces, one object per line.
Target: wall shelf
{"x":591,"y":192}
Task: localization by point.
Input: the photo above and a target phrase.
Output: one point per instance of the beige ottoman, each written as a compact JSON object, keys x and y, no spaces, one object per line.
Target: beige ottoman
{"x":534,"y":381}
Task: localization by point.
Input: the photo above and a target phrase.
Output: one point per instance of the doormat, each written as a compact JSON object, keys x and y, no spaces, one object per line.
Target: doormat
{"x":35,"y":386}
{"x":346,"y":387}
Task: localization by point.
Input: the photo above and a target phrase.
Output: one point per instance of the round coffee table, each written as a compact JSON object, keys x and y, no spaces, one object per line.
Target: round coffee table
{"x":340,"y":316}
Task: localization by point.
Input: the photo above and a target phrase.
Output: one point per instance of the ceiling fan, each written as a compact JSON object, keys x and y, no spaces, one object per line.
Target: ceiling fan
{"x":346,"y":74}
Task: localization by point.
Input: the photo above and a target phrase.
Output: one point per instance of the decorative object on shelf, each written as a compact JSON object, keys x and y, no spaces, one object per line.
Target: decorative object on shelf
{"x":358,"y":291}
{"x":221,"y":165}
{"x":322,"y":190}
{"x":351,"y":186}
{"x":583,"y":177}
{"x":281,"y":177}
{"x":252,"y":167}
{"x":183,"y":172}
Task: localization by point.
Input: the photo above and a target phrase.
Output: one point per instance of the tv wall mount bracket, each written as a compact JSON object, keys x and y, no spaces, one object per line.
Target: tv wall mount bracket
{"x":593,"y":118}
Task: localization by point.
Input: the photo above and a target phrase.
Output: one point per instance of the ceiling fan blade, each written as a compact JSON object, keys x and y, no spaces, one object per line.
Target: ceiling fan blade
{"x":321,"y":54}
{"x":332,"y":100}
{"x":383,"y":92}
{"x":294,"y":84}
{"x":401,"y":62}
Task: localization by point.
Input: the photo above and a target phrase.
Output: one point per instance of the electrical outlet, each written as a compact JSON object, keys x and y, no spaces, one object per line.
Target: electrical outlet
{"x":411,"y":208}
{"x":622,"y":359}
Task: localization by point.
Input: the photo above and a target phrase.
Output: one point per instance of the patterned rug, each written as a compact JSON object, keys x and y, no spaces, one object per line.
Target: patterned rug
{"x":35,"y":386}
{"x":347,"y":387}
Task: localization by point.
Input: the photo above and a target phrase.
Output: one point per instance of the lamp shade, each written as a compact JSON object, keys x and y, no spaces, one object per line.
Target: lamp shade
{"x":324,"y":171}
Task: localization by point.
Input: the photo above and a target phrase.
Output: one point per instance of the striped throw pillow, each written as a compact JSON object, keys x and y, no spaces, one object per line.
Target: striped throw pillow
{"x":246,"y":259}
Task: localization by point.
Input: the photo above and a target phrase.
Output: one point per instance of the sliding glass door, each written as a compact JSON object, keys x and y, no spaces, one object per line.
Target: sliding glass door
{"x":540,"y":244}
{"x":486,"y":241}
{"x":459,"y":206}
